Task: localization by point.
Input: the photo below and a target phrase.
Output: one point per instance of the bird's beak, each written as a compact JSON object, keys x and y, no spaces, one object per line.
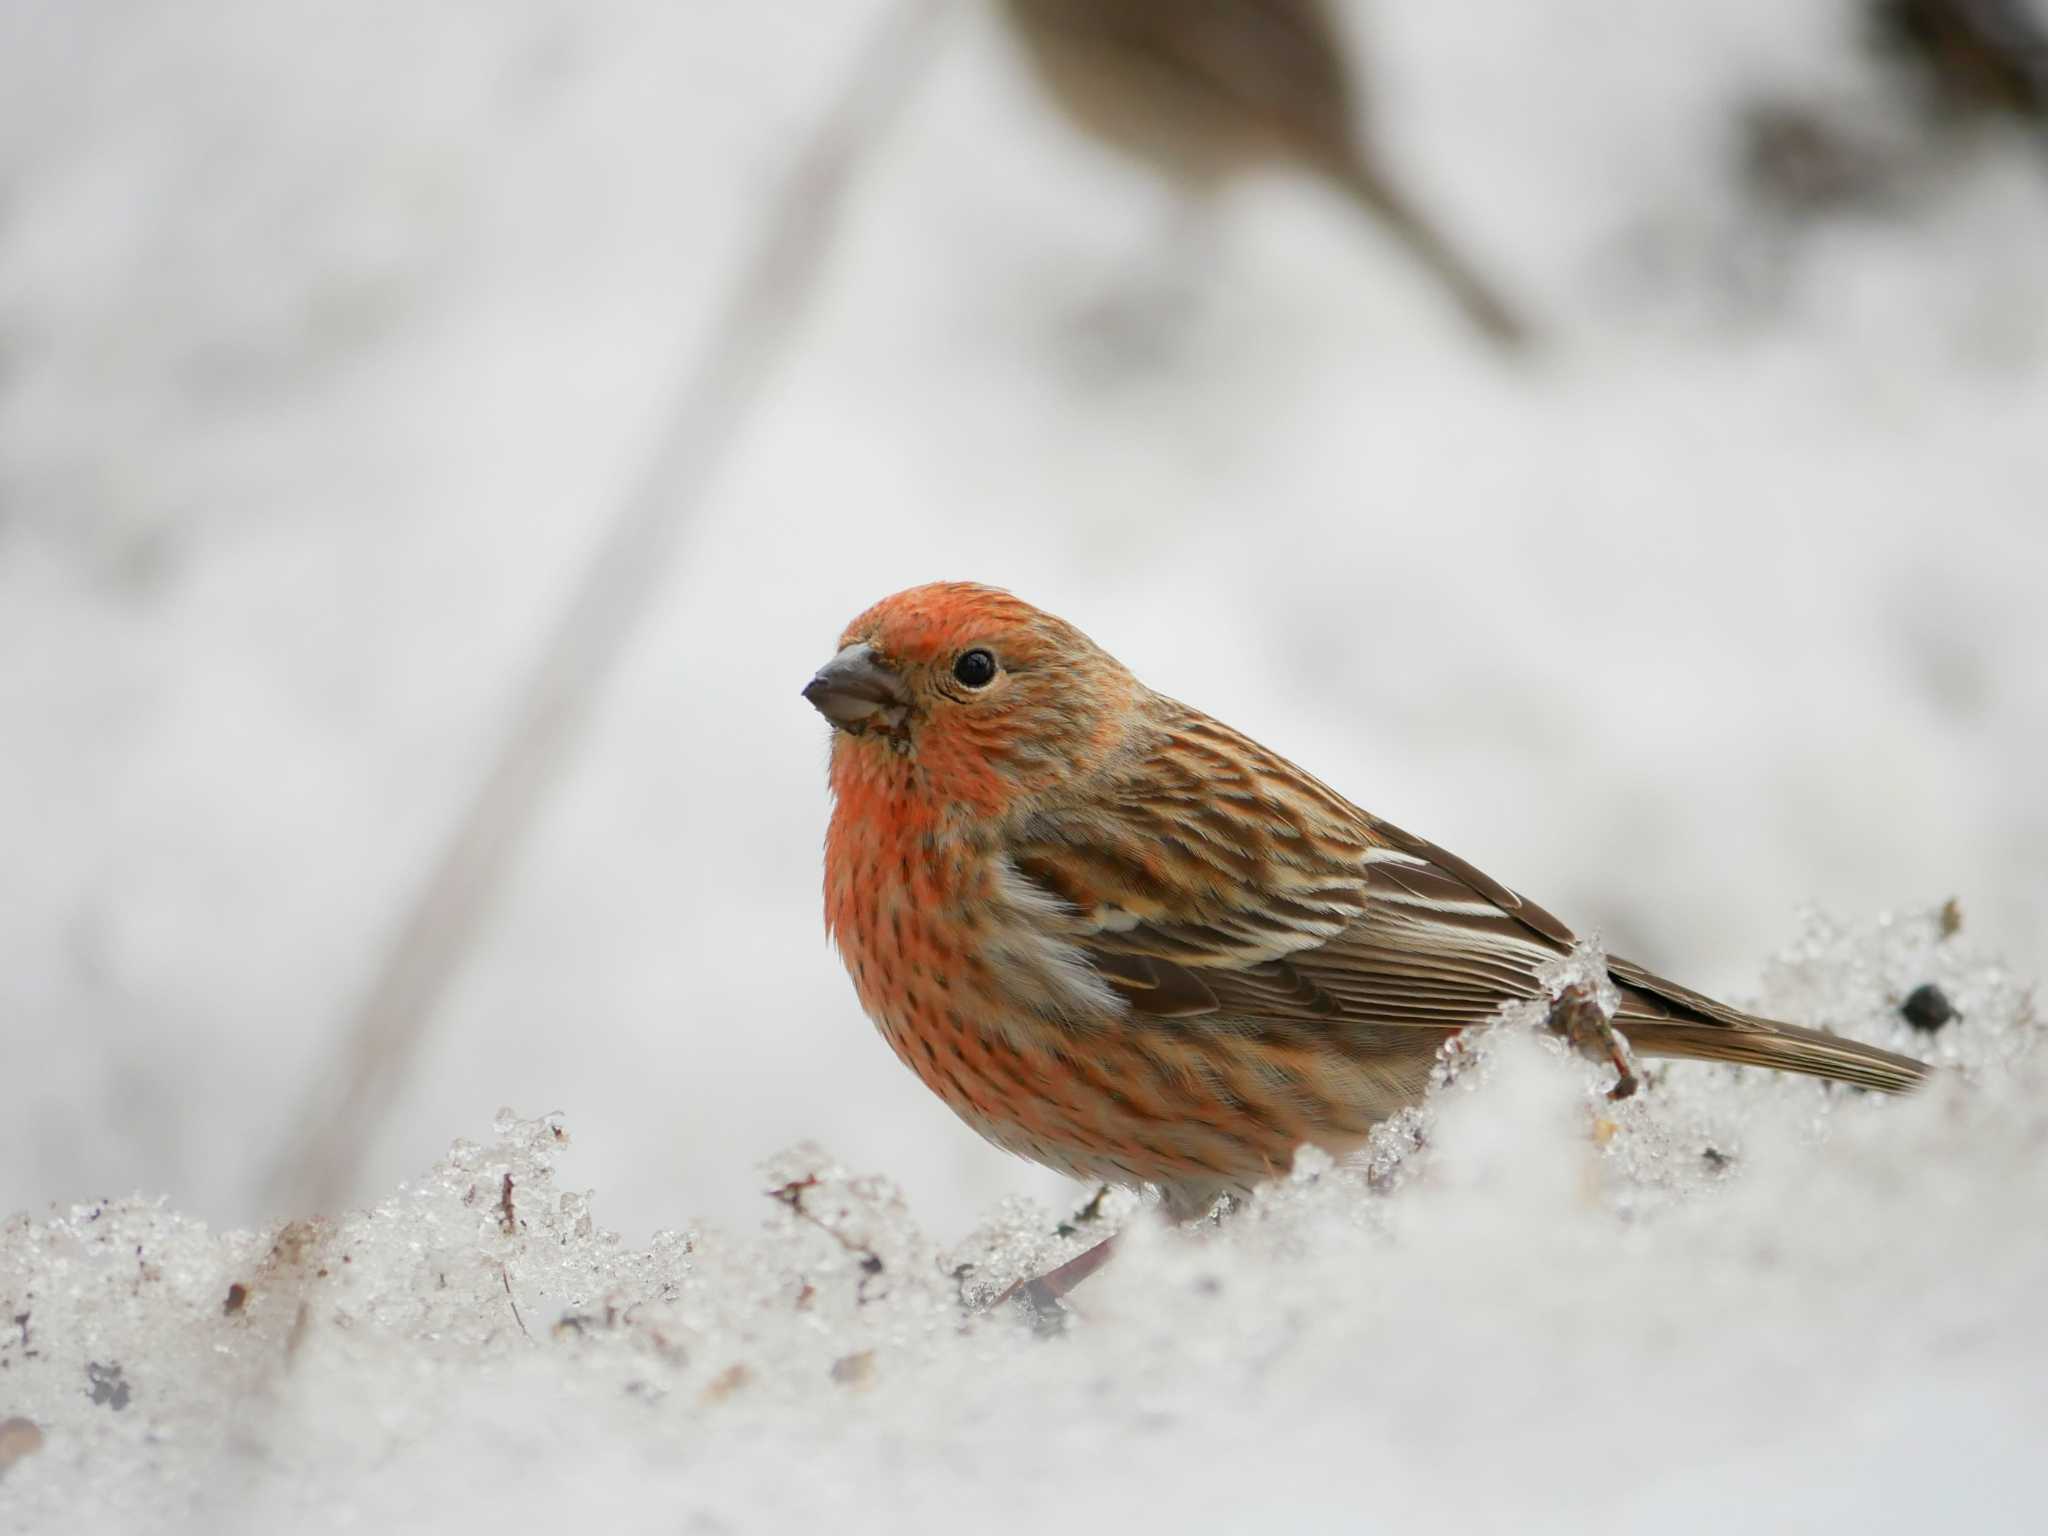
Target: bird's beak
{"x":855,"y":690}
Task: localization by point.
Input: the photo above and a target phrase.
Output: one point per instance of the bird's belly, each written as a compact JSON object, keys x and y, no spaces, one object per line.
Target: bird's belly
{"x":1137,"y":1103}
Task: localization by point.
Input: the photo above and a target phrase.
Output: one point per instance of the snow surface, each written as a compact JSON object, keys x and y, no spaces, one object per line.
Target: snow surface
{"x":1735,"y":1300}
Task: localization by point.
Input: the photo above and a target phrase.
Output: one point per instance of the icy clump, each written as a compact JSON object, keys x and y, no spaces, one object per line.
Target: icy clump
{"x":1521,"y":1304}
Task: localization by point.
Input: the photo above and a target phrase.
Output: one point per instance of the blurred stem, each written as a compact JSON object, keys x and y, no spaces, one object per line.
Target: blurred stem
{"x":626,"y":571}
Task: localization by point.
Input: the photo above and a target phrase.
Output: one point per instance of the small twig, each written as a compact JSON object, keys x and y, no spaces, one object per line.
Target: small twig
{"x":1576,"y":1015}
{"x":792,"y":1195}
{"x":505,"y":1277}
{"x":1092,"y":1211}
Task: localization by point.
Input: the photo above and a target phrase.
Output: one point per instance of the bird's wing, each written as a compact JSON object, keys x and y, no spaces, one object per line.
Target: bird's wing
{"x":1225,"y":881}
{"x":1226,"y":887}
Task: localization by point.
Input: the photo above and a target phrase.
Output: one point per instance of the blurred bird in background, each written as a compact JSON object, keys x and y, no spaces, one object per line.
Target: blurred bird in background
{"x":1206,"y":89}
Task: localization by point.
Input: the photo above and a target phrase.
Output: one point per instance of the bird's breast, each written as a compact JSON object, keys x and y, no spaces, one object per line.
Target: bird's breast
{"x":950,"y":948}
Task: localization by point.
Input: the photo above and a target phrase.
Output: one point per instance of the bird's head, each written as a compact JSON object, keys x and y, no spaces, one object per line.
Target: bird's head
{"x":985,"y":698}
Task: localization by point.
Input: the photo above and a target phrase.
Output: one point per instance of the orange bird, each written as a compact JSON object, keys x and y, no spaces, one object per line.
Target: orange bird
{"x":1125,"y":941}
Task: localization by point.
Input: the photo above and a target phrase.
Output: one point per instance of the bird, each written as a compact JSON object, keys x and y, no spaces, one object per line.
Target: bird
{"x":1132,"y":944}
{"x":1205,"y":89}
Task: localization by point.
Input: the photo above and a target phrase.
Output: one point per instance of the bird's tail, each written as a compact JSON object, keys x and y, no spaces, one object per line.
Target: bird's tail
{"x":1661,"y":1018}
{"x":1483,"y":304}
{"x":1787,"y":1047}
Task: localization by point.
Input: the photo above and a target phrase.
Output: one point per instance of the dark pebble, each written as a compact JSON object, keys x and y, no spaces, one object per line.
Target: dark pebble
{"x":1927,"y":1008}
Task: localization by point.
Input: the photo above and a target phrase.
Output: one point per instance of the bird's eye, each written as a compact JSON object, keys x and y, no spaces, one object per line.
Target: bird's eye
{"x":975,"y":668}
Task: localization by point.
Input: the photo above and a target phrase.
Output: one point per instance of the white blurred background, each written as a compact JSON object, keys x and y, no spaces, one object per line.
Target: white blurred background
{"x":332,"y":336}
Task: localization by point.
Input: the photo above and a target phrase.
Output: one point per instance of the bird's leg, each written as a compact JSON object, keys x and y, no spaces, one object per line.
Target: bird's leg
{"x":1041,"y":1295}
{"x":1577,"y":1017}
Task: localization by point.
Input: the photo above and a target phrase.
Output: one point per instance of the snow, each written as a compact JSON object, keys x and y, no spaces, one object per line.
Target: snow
{"x":331,"y":333}
{"x":1733,"y":1297}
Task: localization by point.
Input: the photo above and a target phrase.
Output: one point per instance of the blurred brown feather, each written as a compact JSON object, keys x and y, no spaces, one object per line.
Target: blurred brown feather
{"x":1206,"y":89}
{"x":1978,"y":55}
